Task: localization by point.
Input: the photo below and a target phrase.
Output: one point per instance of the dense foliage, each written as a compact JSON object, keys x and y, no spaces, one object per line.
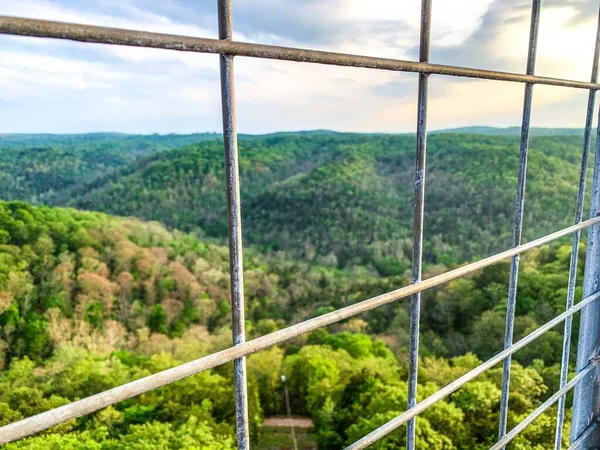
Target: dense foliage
{"x":349,"y":384}
{"x":89,"y":301}
{"x":37,"y":167}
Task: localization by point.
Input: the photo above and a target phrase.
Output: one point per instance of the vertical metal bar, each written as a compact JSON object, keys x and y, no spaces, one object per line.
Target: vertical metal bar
{"x":235,"y":223}
{"x":587,"y":139}
{"x":419,"y":210}
{"x":585,"y":400}
{"x":518,"y":223}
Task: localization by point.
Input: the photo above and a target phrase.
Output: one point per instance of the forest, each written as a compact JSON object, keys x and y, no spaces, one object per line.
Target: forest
{"x":363,"y":185}
{"x":35,"y":167}
{"x":89,"y":300}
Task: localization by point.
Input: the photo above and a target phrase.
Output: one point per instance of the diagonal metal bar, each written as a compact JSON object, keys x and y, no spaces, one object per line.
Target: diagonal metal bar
{"x":518,"y":223}
{"x":587,"y":139}
{"x":469,"y":376}
{"x":585,"y":404}
{"x":542,"y":408}
{"x":236,"y":264}
{"x":101,"y":400}
{"x":419,"y":211}
{"x":119,"y":36}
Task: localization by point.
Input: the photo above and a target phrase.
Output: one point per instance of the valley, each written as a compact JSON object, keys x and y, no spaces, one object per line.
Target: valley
{"x":114,"y":265}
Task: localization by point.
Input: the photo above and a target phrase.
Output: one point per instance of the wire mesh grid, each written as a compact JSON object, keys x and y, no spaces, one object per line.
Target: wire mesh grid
{"x":583,"y":422}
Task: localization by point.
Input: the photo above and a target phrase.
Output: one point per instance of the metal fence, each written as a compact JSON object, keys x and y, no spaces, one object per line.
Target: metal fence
{"x":583,"y":427}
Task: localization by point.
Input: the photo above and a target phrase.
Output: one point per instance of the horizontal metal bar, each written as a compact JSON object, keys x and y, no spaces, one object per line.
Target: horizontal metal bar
{"x":119,"y":36}
{"x":541,"y":409}
{"x":95,"y":402}
{"x":577,"y":443}
{"x":469,"y":376}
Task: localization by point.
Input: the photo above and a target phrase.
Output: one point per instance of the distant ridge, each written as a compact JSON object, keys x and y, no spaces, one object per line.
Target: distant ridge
{"x":509,"y":131}
{"x":24,"y":139}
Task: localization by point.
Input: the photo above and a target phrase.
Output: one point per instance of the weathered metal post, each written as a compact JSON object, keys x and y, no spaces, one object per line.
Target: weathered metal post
{"x":419,"y":213}
{"x":236,"y":264}
{"x":587,"y":141}
{"x":585,"y":401}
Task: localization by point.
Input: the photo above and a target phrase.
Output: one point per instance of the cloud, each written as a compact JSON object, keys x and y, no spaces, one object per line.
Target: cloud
{"x":59,"y":86}
{"x":492,"y":44}
{"x":565,"y":41}
{"x":584,"y":11}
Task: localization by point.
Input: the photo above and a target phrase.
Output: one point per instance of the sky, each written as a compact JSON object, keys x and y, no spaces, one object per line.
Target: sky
{"x":67,"y":87}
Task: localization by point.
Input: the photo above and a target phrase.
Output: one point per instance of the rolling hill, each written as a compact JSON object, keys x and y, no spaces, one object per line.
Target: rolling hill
{"x":347,"y":198}
{"x":337,"y":198}
{"x":35,"y":167}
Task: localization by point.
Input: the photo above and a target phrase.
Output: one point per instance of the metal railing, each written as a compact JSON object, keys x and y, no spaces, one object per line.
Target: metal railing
{"x":583,"y":428}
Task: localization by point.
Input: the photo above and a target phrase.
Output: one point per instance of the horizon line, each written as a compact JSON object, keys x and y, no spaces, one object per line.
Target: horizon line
{"x":307,"y":131}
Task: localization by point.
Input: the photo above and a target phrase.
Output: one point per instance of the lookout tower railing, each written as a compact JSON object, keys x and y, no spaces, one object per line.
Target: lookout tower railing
{"x":583,"y":428}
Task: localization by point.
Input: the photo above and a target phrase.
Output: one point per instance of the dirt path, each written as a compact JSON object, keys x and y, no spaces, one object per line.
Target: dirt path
{"x":298,"y":422}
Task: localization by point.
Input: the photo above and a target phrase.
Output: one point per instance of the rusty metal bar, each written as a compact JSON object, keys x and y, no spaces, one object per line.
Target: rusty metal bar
{"x":542,"y":408}
{"x":585,"y":401}
{"x":118,"y":36}
{"x":95,"y":402}
{"x":419,"y":211}
{"x":518,"y":223}
{"x":234,"y":217}
{"x":587,"y":139}
{"x":469,"y":376}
